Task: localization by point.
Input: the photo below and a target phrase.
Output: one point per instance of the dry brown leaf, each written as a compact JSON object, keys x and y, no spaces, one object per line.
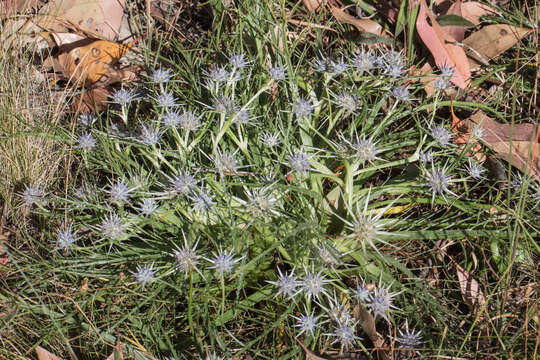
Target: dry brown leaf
{"x":493,"y":40}
{"x":363,"y":25}
{"x":100,"y":17}
{"x":473,"y":10}
{"x":92,"y":100}
{"x":309,"y":354}
{"x":470,"y":289}
{"x":18,"y":6}
{"x":462,"y":135}
{"x":313,"y":5}
{"x":457,"y":32}
{"x":43,"y":354}
{"x":517,"y":144}
{"x":367,"y":322}
{"x":441,"y":46}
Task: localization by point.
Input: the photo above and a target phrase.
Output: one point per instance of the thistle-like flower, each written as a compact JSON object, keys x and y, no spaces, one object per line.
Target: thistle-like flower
{"x":394,"y":71}
{"x":307,"y":323}
{"x":366,"y":226}
{"x":119,"y":191}
{"x":321,"y":64}
{"x":439,"y":182}
{"x":345,"y":335}
{"x":223,"y":261}
{"x":381,"y":301}
{"x":202,"y":201}
{"x":260,"y":203}
{"x":149,"y":136}
{"x":409,"y":339}
{"x":270,"y":140}
{"x":329,"y":255}
{"x":112,"y":227}
{"x":441,"y":83}
{"x":338,"y":67}
{"x":86,"y":142}
{"x":238,"y":61}
{"x":123,"y":97}
{"x":303,"y":108}
{"x":475,"y":170}
{"x":189,"y":121}
{"x":478,"y":132}
{"x":145,"y":274}
{"x":364,"y":61}
{"x":313,"y":284}
{"x":65,"y":237}
{"x":147,"y":207}
{"x":243,"y":117}
{"x":224,"y":105}
{"x":441,"y":135}
{"x":365,"y":149}
{"x":338,"y":312}
{"x":362,"y":293}
{"x":86,"y":120}
{"x":402,"y":93}
{"x":287,"y":284}
{"x":300,"y":162}
{"x":183,"y":183}
{"x":447,"y":72}
{"x":226,"y":162}
{"x":426,"y":157}
{"x":166,"y":100}
{"x":347,"y":101}
{"x":186,"y":258}
{"x":218,"y":74}
{"x":33,"y":195}
{"x":160,"y":76}
{"x":278,"y":73}
{"x":170,"y":119}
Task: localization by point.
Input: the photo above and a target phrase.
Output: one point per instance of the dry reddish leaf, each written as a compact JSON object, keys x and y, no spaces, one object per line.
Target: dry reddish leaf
{"x":463,"y":134}
{"x":441,"y":46}
{"x":363,"y":25}
{"x":470,"y":289}
{"x":473,"y":10}
{"x":367,"y":322}
{"x":493,"y":40}
{"x":517,"y":144}
{"x":43,"y":354}
{"x":457,"y":32}
{"x":92,"y":100}
{"x":17,"y":6}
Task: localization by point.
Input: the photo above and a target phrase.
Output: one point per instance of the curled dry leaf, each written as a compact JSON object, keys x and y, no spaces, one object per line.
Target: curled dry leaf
{"x":367,"y":322}
{"x":457,"y":32}
{"x":463,"y":136}
{"x":363,"y":25}
{"x":43,"y":354}
{"x":517,"y":144}
{"x":473,"y":11}
{"x":493,"y":40}
{"x":309,"y":354}
{"x":470,"y":289}
{"x":442,"y":47}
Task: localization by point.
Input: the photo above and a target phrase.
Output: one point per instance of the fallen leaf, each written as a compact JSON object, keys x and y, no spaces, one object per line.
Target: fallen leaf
{"x":367,"y":322}
{"x":473,"y":10}
{"x":91,"y":101}
{"x":517,"y":144}
{"x":470,"y":289}
{"x":309,"y":354}
{"x":441,"y":46}
{"x":43,"y":354}
{"x":363,"y":25}
{"x":457,"y":32}
{"x":313,"y":5}
{"x":462,"y":135}
{"x":18,"y":6}
{"x":493,"y":40}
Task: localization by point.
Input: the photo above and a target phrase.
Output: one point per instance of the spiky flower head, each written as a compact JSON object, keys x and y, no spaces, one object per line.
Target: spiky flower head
{"x":402,"y":93}
{"x":270,"y":139}
{"x":218,"y":74}
{"x":426,"y":157}
{"x":183,"y":183}
{"x":224,"y":105}
{"x":33,"y":195}
{"x":242,"y":117}
{"x":475,"y":170}
{"x":112,"y":227}
{"x":119,"y":191}
{"x":145,"y":274}
{"x":149,"y":136}
{"x":147,"y":207}
{"x":278,"y":73}
{"x":86,"y":142}
{"x":186,"y":258}
{"x":321,"y":64}
{"x":202,"y":201}
{"x":441,"y":135}
{"x":347,"y":101}
{"x":338,"y":67}
{"x":380,"y":302}
{"x":160,"y":76}
{"x":338,"y":311}
{"x":313,"y":284}
{"x":394,"y":71}
{"x":307,"y":322}
{"x":189,"y":121}
{"x":365,"y":226}
{"x":238,"y":61}
{"x":447,"y":72}
{"x":65,"y":237}
{"x":329,"y":255}
{"x":345,"y":335}
{"x":166,"y":100}
{"x":87,"y":120}
{"x":300,"y":162}
{"x":362,"y":293}
{"x":364,"y":61}
{"x":409,"y":339}
{"x":170,"y":119}
{"x":123,"y":96}
{"x":226,"y":162}
{"x":261,"y":202}
{"x":478,"y":132}
{"x":441,"y":83}
{"x":303,"y":108}
{"x":439,"y":182}
{"x":286,"y":283}
{"x":365,"y":149}
{"x":223,"y":261}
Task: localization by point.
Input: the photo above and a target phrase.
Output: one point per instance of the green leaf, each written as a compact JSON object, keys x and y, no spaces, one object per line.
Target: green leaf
{"x":454,"y":20}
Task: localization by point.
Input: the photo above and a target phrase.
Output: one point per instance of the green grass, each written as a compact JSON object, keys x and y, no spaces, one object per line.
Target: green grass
{"x":79,"y":303}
